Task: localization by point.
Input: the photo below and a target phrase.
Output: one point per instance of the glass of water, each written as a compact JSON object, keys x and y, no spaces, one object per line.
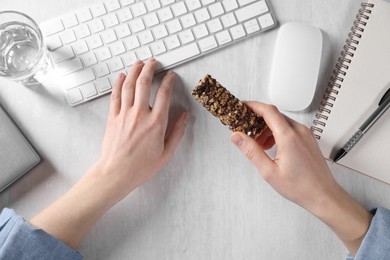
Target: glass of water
{"x":24,"y":57}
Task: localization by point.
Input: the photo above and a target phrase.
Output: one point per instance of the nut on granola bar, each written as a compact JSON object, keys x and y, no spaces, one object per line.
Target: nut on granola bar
{"x":230,"y":110}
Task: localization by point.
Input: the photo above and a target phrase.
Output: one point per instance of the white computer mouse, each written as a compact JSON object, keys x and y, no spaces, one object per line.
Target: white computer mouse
{"x":295,"y":66}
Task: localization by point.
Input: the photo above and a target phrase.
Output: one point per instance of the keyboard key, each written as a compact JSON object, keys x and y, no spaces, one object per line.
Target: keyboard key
{"x":167,"y":2}
{"x":223,"y":37}
{"x":78,"y":78}
{"x":108,"y":36}
{"x":124,"y":15}
{"x":96,"y":25}
{"x":172,"y":42}
{"x":68,"y":36}
{"x":89,"y":59}
{"x":115,"y":64}
{"x":74,"y":96}
{"x":158,"y":47}
{"x":122,"y":31}
{"x":51,"y":27}
{"x":138,"y":9}
{"x":150,"y":20}
{"x":152,"y":5}
{"x":98,"y":10}
{"x":200,"y":31}
{"x":131,"y":43}
{"x":80,"y":47}
{"x":193,"y":4}
{"x":245,"y":2}
{"x":137,"y":25}
{"x":70,"y":66}
{"x":82,"y":31}
{"x":206,"y":2}
{"x":251,"y":11}
{"x":69,"y":20}
{"x":117,"y":48}
{"x":188,"y":20}
{"x":129,"y":58}
{"x":251,"y":26}
{"x":143,"y":53}
{"x":186,"y":36}
{"x":62,"y":54}
{"x":266,"y":21}
{"x":237,"y":31}
{"x":110,"y":20}
{"x":126,"y":2}
{"x":103,"y":85}
{"x":83,"y":15}
{"x":112,"y":5}
{"x":207,"y":44}
{"x":202,"y":15}
{"x":179,"y":9}
{"x":174,"y":26}
{"x":94,"y":41}
{"x":214,"y":25}
{"x":101,"y":70}
{"x":103,"y":53}
{"x":229,"y":5}
{"x":165,"y":14}
{"x":88,"y":90}
{"x":145,"y":37}
{"x":216,"y":9}
{"x":53,"y":42}
{"x":228,"y":20}
{"x":160,"y":31}
{"x":177,"y":55}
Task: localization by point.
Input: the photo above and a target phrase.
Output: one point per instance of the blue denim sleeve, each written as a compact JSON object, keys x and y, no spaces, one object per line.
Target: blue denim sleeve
{"x":376,"y":243}
{"x":20,"y":240}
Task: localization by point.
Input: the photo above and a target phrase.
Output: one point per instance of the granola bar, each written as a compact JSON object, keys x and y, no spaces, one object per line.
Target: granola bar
{"x":230,"y":110}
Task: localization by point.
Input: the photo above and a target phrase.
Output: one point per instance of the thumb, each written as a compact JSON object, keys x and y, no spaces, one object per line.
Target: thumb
{"x":253,"y":151}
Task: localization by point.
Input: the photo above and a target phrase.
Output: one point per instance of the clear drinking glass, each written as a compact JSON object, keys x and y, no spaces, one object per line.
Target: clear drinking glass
{"x":23,"y":55}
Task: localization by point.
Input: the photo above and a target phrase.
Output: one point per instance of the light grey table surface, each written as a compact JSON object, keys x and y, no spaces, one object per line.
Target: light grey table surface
{"x":208,"y":202}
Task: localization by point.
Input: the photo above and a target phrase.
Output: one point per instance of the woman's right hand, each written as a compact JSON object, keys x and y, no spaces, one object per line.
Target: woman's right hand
{"x":300,"y":173}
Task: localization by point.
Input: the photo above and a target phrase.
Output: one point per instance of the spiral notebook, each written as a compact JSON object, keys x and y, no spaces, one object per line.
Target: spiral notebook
{"x":360,"y":78}
{"x":17,"y":156}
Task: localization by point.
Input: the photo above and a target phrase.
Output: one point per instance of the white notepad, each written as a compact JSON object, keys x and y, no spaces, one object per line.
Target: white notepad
{"x":17,"y":156}
{"x":359,"y":80}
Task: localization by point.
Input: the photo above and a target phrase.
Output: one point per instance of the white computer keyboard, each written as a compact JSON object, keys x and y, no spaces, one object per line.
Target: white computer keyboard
{"x":91,"y":46}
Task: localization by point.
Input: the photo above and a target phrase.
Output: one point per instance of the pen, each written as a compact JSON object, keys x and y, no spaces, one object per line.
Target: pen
{"x":384,"y":104}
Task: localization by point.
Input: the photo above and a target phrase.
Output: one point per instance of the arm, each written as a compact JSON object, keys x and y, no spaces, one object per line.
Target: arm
{"x":135,"y":147}
{"x":300,"y":173}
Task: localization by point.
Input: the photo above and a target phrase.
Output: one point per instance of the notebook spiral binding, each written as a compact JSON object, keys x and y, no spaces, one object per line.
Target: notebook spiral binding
{"x":341,"y":69}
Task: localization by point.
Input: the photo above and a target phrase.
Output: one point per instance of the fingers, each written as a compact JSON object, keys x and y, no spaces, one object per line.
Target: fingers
{"x":116,"y":95}
{"x":144,"y":83}
{"x":175,"y":134}
{"x":251,"y":149}
{"x":163,"y":96}
{"x":269,"y":143}
{"x":128,"y":89}
{"x":276,"y":121}
{"x":266,"y":140}
{"x":278,"y":127}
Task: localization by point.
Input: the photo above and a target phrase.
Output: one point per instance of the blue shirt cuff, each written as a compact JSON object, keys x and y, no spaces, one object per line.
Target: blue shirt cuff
{"x":20,"y":240}
{"x":376,"y":243}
